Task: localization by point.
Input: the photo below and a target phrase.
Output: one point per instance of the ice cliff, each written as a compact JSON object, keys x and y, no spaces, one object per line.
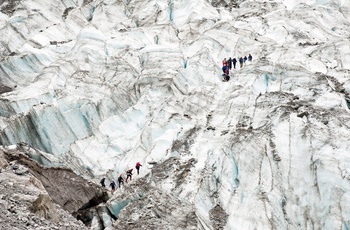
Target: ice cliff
{"x":102,"y":84}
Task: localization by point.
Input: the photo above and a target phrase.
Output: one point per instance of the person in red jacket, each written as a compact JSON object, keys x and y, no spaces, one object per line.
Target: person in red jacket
{"x":138,"y":165}
{"x":224,"y":62}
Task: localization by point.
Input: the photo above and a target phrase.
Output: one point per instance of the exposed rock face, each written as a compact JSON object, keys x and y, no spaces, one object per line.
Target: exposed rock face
{"x":67,"y":189}
{"x":25,"y":204}
{"x":226,"y":3}
{"x":218,"y":216}
{"x":59,"y":188}
{"x":4,"y":89}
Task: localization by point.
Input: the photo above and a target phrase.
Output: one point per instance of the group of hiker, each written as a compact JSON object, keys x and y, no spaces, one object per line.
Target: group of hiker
{"x":227,"y":65}
{"x":120,"y":179}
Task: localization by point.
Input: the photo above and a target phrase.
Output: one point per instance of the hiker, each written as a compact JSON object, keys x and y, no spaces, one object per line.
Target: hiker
{"x":224,"y":62}
{"x":226,"y":73}
{"x":112,"y":185}
{"x":245,"y":59}
{"x":103,"y":182}
{"x":234,"y":61}
{"x":128,"y":175}
{"x":121,"y":180}
{"x":226,"y":78}
{"x":241,"y":62}
{"x":225,"y":69}
{"x":138,"y":165}
{"x":229,"y":61}
{"x":250,"y":58}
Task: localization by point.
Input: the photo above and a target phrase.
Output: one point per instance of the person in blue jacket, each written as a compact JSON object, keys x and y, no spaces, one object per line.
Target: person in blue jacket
{"x":112,"y":185}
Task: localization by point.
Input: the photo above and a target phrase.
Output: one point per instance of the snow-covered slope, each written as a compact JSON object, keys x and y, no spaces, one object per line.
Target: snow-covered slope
{"x":107,"y":83}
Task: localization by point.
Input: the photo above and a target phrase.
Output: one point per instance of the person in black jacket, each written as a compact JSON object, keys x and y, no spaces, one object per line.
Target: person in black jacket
{"x":103,"y":182}
{"x":128,"y":175}
{"x":234,"y":61}
{"x":121,"y":180}
{"x":229,"y":62}
{"x":241,"y":62}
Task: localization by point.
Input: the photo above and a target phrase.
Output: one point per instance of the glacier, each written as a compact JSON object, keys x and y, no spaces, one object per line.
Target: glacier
{"x":99,"y":85}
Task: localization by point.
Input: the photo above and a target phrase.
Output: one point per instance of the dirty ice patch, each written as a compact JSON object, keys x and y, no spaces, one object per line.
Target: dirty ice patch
{"x":333,"y":100}
{"x":316,"y":66}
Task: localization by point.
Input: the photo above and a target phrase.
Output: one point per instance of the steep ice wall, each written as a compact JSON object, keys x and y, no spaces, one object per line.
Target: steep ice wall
{"x":105,"y":84}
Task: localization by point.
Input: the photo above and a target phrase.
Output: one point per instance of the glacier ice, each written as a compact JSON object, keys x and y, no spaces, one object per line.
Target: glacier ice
{"x":104,"y":84}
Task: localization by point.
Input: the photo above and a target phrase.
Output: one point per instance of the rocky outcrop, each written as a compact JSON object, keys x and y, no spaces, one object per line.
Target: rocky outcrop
{"x":218,"y":216}
{"x":66,"y":188}
{"x":25,"y":204}
{"x":63,"y":187}
{"x":4,"y":89}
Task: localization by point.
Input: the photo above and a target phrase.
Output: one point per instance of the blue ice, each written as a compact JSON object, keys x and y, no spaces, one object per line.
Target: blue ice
{"x":236,"y":180}
{"x":156,"y":39}
{"x":16,"y":19}
{"x":171,"y":10}
{"x":266,"y":80}
{"x":116,"y":207}
{"x":91,"y":13}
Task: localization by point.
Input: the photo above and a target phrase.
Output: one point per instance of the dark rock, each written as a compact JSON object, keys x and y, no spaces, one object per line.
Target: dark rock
{"x":20,"y":170}
{"x":4,"y":89}
{"x":218,"y":216}
{"x":303,"y":114}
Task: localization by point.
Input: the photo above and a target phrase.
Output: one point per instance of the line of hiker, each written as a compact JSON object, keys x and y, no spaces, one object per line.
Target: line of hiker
{"x":120,"y":179}
{"x":232,"y":62}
